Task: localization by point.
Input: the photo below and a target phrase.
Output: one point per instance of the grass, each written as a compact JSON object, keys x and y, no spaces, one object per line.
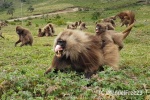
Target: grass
{"x":22,"y":69}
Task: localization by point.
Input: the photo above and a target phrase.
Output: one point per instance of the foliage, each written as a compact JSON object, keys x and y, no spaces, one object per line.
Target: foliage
{"x":7,"y":4}
{"x":30,"y":8}
{"x":10,"y":11}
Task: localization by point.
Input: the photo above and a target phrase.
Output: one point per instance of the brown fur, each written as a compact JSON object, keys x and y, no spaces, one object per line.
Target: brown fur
{"x":110,"y":20}
{"x":40,"y":33}
{"x":82,"y":26}
{"x":125,"y":22}
{"x":111,"y":54}
{"x":48,"y":30}
{"x":108,"y":25}
{"x":1,"y":35}
{"x":111,"y":35}
{"x":81,"y":52}
{"x":71,"y":27}
{"x":25,"y":36}
{"x":127,"y":15}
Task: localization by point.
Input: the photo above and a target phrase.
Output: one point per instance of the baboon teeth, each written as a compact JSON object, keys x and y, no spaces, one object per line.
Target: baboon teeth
{"x":58,"y":54}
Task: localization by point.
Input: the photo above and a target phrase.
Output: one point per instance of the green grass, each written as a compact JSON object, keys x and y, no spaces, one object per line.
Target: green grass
{"x":22,"y":69}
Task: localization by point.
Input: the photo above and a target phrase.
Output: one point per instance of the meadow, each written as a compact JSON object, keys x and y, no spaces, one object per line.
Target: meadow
{"x":22,"y":68}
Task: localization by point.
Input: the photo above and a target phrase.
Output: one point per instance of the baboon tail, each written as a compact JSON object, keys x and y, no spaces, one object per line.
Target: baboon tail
{"x":132,"y":17}
{"x":127,"y":31}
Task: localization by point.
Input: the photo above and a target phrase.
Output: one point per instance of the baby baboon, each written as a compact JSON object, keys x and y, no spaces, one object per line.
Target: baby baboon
{"x":111,"y":35}
{"x":110,"y":20}
{"x":108,"y":25}
{"x":111,"y":54}
{"x":25,"y":36}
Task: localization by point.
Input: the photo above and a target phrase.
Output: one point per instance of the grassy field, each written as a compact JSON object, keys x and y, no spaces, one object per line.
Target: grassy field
{"x":22,"y":69}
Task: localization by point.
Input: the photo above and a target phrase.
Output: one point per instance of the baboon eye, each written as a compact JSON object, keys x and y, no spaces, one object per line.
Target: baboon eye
{"x":61,"y":43}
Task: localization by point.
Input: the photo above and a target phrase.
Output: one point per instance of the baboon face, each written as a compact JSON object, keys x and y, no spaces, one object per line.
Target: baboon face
{"x":59,"y":48}
{"x":40,"y":30}
{"x":19,"y":30}
{"x":100,"y":28}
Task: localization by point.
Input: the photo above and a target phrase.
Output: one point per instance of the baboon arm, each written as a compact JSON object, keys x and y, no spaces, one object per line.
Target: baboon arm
{"x":57,"y":64}
{"x":17,"y":42}
{"x":54,"y":64}
{"x":24,"y":42}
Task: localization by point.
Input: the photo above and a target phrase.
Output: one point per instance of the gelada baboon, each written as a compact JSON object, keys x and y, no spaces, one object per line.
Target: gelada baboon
{"x":125,"y":22}
{"x":110,"y":20}
{"x":76,"y":24}
{"x":40,"y":33}
{"x":82,"y":26}
{"x":126,"y":16}
{"x":110,"y":54}
{"x":48,"y":30}
{"x":81,"y":51}
{"x":111,"y":35}
{"x":25,"y":36}
{"x":1,"y":35}
{"x":71,"y":27}
{"x":108,"y":25}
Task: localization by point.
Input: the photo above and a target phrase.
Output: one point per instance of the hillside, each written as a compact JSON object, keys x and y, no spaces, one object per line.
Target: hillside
{"x":22,"y":68}
{"x":44,"y":6}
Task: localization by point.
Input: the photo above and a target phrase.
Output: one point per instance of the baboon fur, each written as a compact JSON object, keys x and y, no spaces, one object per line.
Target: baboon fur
{"x":110,"y":20}
{"x":126,"y":16}
{"x":82,"y":26}
{"x":125,"y":22}
{"x":25,"y":36}
{"x":82,"y":52}
{"x":111,"y":35}
{"x":40,"y":33}
{"x":47,"y":30}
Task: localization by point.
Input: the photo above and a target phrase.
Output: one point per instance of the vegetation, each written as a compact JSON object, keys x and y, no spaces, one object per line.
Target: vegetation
{"x":22,"y":69}
{"x":31,"y":9}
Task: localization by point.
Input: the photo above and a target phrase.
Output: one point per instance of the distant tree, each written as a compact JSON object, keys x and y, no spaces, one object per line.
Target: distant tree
{"x":7,"y":4}
{"x":30,"y":8}
{"x":10,"y":11}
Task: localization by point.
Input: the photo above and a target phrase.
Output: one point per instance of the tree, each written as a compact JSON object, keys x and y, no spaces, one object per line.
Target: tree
{"x":10,"y":11}
{"x":6,"y":4}
{"x":30,"y":8}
